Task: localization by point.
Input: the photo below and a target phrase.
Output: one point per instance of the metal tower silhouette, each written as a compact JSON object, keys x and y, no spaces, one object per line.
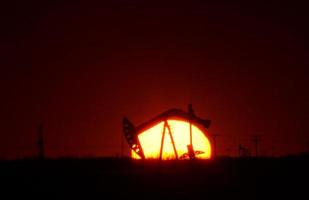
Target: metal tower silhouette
{"x":256,"y":140}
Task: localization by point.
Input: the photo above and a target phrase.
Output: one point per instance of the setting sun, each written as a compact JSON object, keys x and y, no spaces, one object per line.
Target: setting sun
{"x":175,"y":142}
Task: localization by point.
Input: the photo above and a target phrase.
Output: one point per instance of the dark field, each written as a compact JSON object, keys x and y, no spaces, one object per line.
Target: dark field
{"x":223,"y":178}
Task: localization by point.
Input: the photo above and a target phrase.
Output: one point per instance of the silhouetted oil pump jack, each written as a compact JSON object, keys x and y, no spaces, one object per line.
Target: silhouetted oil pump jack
{"x":40,"y":142}
{"x":162,"y":138}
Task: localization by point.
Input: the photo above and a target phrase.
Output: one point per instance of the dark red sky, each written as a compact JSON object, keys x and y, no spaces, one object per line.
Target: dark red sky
{"x":81,"y":67}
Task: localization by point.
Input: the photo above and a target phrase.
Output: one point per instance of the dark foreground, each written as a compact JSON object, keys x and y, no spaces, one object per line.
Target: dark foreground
{"x":217,"y":179}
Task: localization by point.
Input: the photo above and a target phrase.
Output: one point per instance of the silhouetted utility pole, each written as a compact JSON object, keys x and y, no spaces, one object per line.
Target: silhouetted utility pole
{"x":214,"y":136}
{"x":191,"y":113}
{"x":40,"y":142}
{"x":256,"y":140}
{"x":190,"y":146}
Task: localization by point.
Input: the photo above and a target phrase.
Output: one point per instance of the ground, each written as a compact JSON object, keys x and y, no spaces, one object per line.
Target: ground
{"x":223,"y":178}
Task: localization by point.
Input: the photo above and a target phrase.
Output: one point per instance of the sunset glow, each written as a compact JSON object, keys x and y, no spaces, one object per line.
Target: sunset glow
{"x":151,"y":138}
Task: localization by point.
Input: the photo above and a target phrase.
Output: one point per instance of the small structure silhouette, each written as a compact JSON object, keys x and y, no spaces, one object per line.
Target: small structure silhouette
{"x":256,"y":140}
{"x":243,"y":151}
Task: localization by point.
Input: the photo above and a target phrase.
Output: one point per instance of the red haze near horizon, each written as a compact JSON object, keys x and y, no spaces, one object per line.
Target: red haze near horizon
{"x":80,"y":67}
